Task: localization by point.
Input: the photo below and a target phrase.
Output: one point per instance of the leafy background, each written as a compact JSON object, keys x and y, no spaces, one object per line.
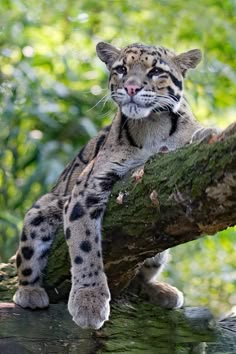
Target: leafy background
{"x":53,"y":99}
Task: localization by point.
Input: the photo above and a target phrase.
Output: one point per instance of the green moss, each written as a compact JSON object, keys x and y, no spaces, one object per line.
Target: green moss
{"x":144,"y":328}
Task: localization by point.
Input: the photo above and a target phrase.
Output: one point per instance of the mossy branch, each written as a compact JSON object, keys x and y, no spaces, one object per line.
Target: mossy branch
{"x":181,"y":196}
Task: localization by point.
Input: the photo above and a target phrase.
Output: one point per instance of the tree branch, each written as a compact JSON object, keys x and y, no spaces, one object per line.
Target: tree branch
{"x":53,"y":331}
{"x":182,"y":196}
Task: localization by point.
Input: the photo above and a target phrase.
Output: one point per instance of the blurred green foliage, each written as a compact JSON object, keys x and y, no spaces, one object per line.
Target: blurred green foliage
{"x":50,"y":86}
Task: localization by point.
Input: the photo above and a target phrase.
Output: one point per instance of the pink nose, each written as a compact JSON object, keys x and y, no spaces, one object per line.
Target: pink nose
{"x":132,"y":89}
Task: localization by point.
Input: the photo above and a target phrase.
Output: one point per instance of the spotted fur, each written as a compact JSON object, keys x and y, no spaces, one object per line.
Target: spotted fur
{"x":152,"y":115}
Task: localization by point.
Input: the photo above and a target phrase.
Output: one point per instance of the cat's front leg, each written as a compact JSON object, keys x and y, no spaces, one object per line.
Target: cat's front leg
{"x":204,"y":134}
{"x":89,"y":296}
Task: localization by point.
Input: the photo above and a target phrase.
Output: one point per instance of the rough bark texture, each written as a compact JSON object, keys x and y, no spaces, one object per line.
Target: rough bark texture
{"x":181,"y":196}
{"x":138,"y":328}
{"x":194,"y":194}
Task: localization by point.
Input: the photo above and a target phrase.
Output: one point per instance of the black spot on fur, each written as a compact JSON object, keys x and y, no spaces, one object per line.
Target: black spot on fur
{"x":57,"y":217}
{"x":77,"y":212}
{"x":73,"y":167}
{"x":96,"y":213}
{"x":27,"y":252}
{"x":24,"y":282}
{"x":18,"y":260}
{"x":96,"y":239}
{"x":90,"y":274}
{"x":98,"y":254}
{"x":91,"y":200}
{"x":46,"y":238}
{"x":83,"y":276}
{"x":108,"y":181}
{"x":92,"y":265}
{"x":37,"y":221}
{"x":96,"y":273}
{"x":78,"y":260}
{"x":171,"y":92}
{"x":81,"y":156}
{"x":86,"y":285}
{"x":86,"y":246}
{"x":35,"y":206}
{"x":66,"y":171}
{"x":66,"y":207}
{"x":26,"y":272}
{"x":60,"y":204}
{"x":93,"y":284}
{"x":23,"y":236}
{"x":177,"y":82}
{"x":87,"y":232}
{"x":99,"y":144}
{"x":174,"y":122}
{"x":68,"y":233}
{"x":33,"y":235}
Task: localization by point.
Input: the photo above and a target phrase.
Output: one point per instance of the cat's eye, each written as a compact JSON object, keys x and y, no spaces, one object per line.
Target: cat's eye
{"x":121,"y":69}
{"x":155,"y":72}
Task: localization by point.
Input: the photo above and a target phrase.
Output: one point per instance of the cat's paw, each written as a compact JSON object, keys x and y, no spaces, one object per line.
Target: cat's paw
{"x":204,"y":134}
{"x":31,"y":297}
{"x":89,"y":307}
{"x":164,"y":295}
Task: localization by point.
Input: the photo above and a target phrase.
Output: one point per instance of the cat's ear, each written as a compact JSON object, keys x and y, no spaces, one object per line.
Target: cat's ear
{"x":188,"y":60}
{"x":107,"y":53}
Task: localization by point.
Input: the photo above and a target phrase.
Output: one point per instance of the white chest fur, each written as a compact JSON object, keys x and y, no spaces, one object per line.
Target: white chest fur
{"x":155,"y":135}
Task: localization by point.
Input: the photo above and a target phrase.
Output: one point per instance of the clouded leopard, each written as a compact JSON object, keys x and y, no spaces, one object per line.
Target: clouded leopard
{"x":146,"y":83}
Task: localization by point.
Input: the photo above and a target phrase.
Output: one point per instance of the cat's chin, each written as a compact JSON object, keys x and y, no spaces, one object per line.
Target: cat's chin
{"x":133,"y":111}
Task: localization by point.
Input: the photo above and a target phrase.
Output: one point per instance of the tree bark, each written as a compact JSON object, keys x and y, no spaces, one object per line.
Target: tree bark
{"x":182,"y":195}
{"x":133,"y":328}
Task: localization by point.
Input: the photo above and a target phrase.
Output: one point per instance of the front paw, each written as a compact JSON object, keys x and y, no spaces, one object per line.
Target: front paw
{"x":32,"y":297}
{"x":204,"y":134}
{"x":89,"y":307}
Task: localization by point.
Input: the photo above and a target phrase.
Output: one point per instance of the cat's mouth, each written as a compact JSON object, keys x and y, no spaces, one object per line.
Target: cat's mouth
{"x":135,"y":111}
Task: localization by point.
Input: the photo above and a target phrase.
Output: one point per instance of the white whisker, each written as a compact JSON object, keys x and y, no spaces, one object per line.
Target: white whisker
{"x":104,"y":98}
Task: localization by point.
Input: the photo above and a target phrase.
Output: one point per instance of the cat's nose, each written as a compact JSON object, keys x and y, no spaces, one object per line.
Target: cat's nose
{"x":132,"y":90}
